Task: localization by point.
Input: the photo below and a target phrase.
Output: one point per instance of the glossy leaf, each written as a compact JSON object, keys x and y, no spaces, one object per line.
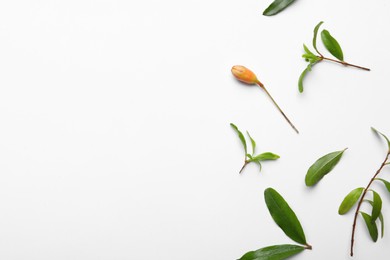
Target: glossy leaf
{"x":284,"y":216}
{"x":303,"y":74}
{"x":376,"y":206}
{"x":266,"y":157}
{"x":252,"y":142}
{"x":322,"y":167}
{"x":277,"y":6}
{"x":332,"y":45}
{"x":350,"y":200}
{"x":371,"y":226}
{"x":379,"y":133}
{"x":386,"y":183}
{"x":240,"y":135}
{"x":380,"y":219}
{"x":315,"y":36}
{"x":277,"y":252}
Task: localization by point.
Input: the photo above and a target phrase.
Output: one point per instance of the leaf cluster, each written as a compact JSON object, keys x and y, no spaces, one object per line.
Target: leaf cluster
{"x":333,"y":47}
{"x":287,"y":220}
{"x":252,"y":157}
{"x":358,"y":196}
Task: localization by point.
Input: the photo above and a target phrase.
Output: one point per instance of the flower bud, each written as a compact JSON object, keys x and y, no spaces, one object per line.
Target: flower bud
{"x":244,"y":75}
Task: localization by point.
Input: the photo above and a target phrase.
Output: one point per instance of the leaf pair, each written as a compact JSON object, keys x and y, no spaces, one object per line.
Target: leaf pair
{"x":277,"y":6}
{"x":322,"y":167}
{"x":287,"y":220}
{"x":252,"y":157}
{"x":331,"y":44}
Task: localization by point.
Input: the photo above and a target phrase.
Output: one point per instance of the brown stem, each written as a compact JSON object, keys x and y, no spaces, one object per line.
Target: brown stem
{"x":277,"y":106}
{"x":308,"y":247}
{"x":245,"y":164}
{"x":362,"y":198}
{"x":344,"y":63}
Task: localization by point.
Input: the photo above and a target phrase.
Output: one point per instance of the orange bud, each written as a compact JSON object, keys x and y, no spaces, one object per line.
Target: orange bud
{"x":244,"y":75}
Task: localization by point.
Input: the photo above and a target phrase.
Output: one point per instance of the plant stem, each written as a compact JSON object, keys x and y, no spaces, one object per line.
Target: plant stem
{"x":245,"y":164}
{"x":277,"y":106}
{"x":308,"y":247}
{"x":344,"y":63}
{"x":362,"y":198}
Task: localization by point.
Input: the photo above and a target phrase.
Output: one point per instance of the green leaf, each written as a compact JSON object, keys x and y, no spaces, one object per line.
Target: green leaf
{"x":315,"y":37}
{"x":277,"y":6}
{"x":382,"y":225}
{"x":332,"y":45}
{"x":265,"y":157}
{"x":386,"y":183}
{"x":376,"y":206}
{"x":350,"y":200}
{"x":379,"y":133}
{"x":300,"y":81}
{"x":252,"y":142}
{"x":371,"y":226}
{"x":322,"y":167}
{"x":380,"y":218}
{"x":284,"y":216}
{"x":308,"y":51}
{"x":277,"y":252}
{"x":240,"y":135}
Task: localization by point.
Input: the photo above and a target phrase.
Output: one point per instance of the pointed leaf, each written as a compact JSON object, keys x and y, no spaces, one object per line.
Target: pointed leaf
{"x":386,"y":183}
{"x":371,"y":226}
{"x":277,"y":252}
{"x":379,"y":133}
{"x":303,"y":74}
{"x":252,"y":142}
{"x":380,"y":218}
{"x":307,"y":50}
{"x":376,"y":206}
{"x":284,"y":216}
{"x":277,"y":6}
{"x":265,"y":157}
{"x":240,"y":135}
{"x":315,"y":36}
{"x":332,"y":45}
{"x":350,"y":200}
{"x":322,"y":167}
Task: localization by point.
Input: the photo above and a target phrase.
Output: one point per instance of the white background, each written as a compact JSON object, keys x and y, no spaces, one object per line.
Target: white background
{"x":114,"y":127}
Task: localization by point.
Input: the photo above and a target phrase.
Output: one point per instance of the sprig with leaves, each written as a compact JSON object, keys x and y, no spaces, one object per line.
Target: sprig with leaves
{"x":252,"y":157}
{"x":358,"y":196}
{"x":287,"y":220}
{"x":331,"y":45}
{"x":277,"y":6}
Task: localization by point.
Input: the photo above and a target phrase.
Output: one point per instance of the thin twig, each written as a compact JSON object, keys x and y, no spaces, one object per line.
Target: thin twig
{"x":344,"y":63}
{"x":362,"y":198}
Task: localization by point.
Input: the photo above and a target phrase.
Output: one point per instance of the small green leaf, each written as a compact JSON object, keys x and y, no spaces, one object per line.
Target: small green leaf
{"x":322,"y":167}
{"x":379,"y":133}
{"x":382,"y":225}
{"x":376,"y":206}
{"x":386,"y":183}
{"x":371,"y":226}
{"x":350,"y":200}
{"x":240,"y":135}
{"x":277,"y":252}
{"x":277,"y":6}
{"x":252,"y":142}
{"x":307,"y":50}
{"x":284,"y":216}
{"x":380,"y":218}
{"x":265,"y":157}
{"x":315,"y":37}
{"x":300,"y":81}
{"x":332,"y":45}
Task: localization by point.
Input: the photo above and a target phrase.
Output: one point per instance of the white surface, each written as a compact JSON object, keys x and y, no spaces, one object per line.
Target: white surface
{"x":115,"y":140}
